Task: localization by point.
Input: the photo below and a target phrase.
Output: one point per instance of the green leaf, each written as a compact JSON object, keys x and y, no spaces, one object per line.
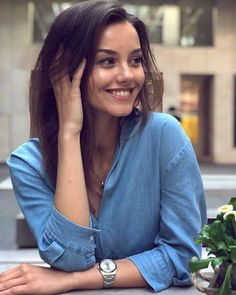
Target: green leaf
{"x":233,"y":202}
{"x":233,"y":222}
{"x":205,"y":231}
{"x":217,"y":261}
{"x":216,"y":231}
{"x":233,"y":253}
{"x":225,"y":288}
{"x":229,"y":226}
{"x":200,"y":240}
{"x":195,"y":264}
{"x":229,"y":240}
{"x":222,"y":246}
{"x":210,"y":252}
{"x":220,"y":217}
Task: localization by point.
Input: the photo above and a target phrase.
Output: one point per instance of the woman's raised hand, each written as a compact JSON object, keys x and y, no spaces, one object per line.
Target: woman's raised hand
{"x":68,"y":99}
{"x":30,"y":279}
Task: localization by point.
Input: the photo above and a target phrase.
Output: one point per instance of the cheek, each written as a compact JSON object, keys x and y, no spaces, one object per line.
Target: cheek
{"x":100,"y":77}
{"x":96,"y":82}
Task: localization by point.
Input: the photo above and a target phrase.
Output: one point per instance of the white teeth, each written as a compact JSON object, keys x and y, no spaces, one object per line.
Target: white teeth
{"x":121,"y":93}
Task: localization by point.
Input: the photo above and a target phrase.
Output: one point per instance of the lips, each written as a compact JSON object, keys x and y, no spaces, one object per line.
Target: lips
{"x":120,"y":93}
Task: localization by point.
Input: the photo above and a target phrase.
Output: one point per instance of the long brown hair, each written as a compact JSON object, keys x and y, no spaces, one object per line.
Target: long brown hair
{"x":77,"y":30}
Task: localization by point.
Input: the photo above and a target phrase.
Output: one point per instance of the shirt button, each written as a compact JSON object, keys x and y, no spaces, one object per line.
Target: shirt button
{"x":91,"y":238}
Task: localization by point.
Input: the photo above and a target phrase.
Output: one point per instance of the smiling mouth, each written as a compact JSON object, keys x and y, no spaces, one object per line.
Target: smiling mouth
{"x":121,"y":92}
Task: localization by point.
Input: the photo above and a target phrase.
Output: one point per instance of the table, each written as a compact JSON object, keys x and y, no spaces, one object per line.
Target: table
{"x":131,"y":291}
{"x":170,"y":291}
{"x":11,"y":258}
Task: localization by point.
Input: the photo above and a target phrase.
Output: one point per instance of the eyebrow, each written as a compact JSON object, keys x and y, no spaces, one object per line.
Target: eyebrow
{"x":112,"y":52}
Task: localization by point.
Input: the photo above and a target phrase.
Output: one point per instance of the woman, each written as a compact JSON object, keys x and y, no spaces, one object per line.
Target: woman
{"x":105,"y":178}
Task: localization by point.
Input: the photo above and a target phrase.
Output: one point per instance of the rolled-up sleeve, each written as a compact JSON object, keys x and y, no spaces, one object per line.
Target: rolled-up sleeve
{"x":61,"y":243}
{"x":155,"y":268}
{"x":66,"y":245}
{"x":183,"y":213}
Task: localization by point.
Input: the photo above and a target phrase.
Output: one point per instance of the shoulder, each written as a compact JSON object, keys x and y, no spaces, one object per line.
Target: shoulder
{"x":26,"y":161}
{"x":168,"y":135}
{"x":165,"y":127}
{"x":159,"y":120}
{"x":28,"y":155}
{"x":28,"y":152}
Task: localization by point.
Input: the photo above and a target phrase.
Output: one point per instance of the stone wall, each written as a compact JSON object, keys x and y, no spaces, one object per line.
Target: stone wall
{"x":219,"y":61}
{"x":18,"y":54}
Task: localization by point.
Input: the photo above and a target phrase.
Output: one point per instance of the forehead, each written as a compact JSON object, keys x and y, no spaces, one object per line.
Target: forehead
{"x":119,"y":35}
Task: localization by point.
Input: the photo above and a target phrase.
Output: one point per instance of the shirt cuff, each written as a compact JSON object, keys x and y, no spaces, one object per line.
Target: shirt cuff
{"x":66,"y":231}
{"x":154,"y":269}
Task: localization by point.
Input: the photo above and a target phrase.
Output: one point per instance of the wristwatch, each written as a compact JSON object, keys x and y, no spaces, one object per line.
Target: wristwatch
{"x":108,"y":268}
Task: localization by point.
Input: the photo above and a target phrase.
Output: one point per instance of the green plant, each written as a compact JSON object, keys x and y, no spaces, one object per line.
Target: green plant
{"x":220,"y":240}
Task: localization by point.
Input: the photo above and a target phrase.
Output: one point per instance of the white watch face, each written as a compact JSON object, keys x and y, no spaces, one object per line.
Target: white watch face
{"x":108,"y":265}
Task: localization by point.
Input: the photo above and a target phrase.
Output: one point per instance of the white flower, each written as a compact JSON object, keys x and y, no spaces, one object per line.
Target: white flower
{"x":230,"y":213}
{"x":226,"y":208}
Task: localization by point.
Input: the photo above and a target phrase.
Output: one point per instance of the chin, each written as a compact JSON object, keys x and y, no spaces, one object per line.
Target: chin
{"x":122,"y":113}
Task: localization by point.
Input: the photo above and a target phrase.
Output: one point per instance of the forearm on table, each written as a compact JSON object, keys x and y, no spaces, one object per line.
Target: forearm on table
{"x":127,"y":276}
{"x":71,"y":195}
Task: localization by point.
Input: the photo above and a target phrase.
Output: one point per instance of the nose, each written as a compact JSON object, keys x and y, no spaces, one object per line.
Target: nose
{"x":124,"y":73}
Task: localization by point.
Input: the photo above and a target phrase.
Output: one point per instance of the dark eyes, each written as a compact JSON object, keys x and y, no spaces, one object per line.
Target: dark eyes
{"x":137,"y":60}
{"x":107,"y":61}
{"x":110,"y":61}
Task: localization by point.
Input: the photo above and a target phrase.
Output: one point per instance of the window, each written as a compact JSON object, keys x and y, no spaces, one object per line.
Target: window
{"x":153,"y":17}
{"x":196,"y":24}
{"x":170,"y":23}
{"x":177,"y":23}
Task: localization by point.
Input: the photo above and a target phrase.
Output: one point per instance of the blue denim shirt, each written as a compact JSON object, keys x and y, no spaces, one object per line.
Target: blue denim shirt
{"x":152,"y":206}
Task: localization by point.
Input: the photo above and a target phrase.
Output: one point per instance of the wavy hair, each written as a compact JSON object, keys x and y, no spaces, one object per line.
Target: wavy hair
{"x":74,"y":35}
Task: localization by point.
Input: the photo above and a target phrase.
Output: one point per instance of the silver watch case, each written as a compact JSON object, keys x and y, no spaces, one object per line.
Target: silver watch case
{"x":108,"y":269}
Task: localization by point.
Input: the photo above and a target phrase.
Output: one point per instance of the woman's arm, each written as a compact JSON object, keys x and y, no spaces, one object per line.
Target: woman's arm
{"x":29,"y":279}
{"x":71,"y":194}
{"x":182,"y":213}
{"x":63,"y":244}
{"x":59,"y":219}
{"x":127,"y":276}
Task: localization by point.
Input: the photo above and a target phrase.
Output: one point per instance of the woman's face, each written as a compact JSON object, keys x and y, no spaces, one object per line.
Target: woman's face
{"x":117,"y":75}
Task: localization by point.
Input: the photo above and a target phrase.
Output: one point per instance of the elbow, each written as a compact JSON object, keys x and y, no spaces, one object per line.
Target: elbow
{"x":66,"y":259}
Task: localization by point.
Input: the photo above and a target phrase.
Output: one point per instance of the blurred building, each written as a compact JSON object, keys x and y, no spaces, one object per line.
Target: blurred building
{"x":194,"y":42}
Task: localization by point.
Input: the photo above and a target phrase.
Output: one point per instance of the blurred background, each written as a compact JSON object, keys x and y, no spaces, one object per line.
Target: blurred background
{"x":194,"y":42}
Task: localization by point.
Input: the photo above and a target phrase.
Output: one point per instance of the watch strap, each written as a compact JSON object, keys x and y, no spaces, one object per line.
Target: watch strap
{"x":108,"y":280}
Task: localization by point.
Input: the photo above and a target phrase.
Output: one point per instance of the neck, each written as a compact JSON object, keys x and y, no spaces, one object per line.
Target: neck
{"x":106,"y":138}
{"x":107,"y":133}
